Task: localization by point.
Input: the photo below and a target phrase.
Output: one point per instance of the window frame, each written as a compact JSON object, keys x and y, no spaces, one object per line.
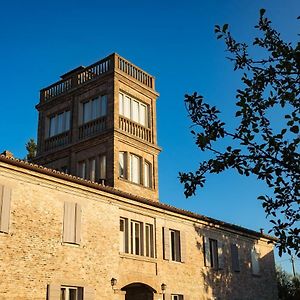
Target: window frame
{"x":126,"y":109}
{"x":94,"y":110}
{"x":175,"y":245}
{"x":54,"y":120}
{"x":78,"y":290}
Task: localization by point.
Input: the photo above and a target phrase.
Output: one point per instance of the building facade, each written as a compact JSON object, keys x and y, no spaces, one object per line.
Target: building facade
{"x":84,"y":222}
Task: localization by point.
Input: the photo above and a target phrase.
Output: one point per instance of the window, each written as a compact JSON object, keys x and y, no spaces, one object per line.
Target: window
{"x":149,"y":243}
{"x":72,"y":223}
{"x":135,"y":169}
{"x":93,"y":169}
{"x":122,"y":163}
{"x":5,"y":200}
{"x":94,"y":109}
{"x":177,"y":297}
{"x":255,"y":256}
{"x":147,"y":174}
{"x":82,"y":169}
{"x":235,"y":257}
{"x":59,"y":123}
{"x":213,"y":253}
{"x":133,"y":109}
{"x":136,"y":237}
{"x":71,"y":293}
{"x":174,"y":245}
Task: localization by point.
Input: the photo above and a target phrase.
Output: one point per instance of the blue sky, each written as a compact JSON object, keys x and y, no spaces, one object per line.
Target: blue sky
{"x":172,"y":40}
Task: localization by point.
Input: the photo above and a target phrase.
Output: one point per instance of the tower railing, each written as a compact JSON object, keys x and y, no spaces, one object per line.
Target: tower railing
{"x":58,"y":140}
{"x":94,"y":71}
{"x":135,"y":129}
{"x":92,"y":127}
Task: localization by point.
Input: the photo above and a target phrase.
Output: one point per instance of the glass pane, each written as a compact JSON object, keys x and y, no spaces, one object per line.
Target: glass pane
{"x":60,"y":122}
{"x":137,"y":238}
{"x":92,"y":172}
{"x":121,"y":164}
{"x":121,"y":104}
{"x":52,"y":125}
{"x":147,"y":236}
{"x":127,"y":107}
{"x":86,"y":112}
{"x":147,"y":175}
{"x":102,"y":173}
{"x":63,"y":294}
{"x":135,"y":169}
{"x":72,"y":294}
{"x":67,"y":121}
{"x":95,"y":113}
{"x":143,"y":115}
{"x":103,"y":106}
{"x":135,"y":111}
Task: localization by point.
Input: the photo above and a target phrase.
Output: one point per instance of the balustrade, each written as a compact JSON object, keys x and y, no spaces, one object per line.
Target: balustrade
{"x":135,"y":129}
{"x":92,"y":127}
{"x":59,"y":140}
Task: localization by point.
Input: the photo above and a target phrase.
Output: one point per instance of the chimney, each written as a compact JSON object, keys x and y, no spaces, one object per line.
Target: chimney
{"x":7,"y":154}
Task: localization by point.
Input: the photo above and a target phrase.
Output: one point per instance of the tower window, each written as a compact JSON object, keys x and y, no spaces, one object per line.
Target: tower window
{"x":135,"y":169}
{"x":94,"y":109}
{"x":122,"y":161}
{"x":133,"y":109}
{"x":59,"y":123}
{"x":93,"y":169}
{"x":147,"y":174}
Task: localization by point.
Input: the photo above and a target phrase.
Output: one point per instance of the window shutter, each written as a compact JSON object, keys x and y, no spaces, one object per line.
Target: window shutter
{"x":207,"y":258}
{"x":168,"y":296}
{"x":182,"y":246}
{"x":53,"y":292}
{"x":255,"y":261}
{"x":89,"y":293}
{"x":69,"y":223}
{"x":5,"y":199}
{"x":235,"y":258}
{"x":166,"y":243}
{"x":220,"y":255}
{"x":78,"y":224}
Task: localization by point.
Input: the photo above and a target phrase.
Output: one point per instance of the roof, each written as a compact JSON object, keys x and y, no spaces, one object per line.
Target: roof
{"x":167,"y":207}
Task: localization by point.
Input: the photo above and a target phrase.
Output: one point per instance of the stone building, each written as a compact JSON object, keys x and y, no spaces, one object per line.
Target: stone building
{"x":85,"y":222}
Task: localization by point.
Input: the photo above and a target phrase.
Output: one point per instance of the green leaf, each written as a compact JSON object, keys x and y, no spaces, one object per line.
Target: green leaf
{"x":262,"y":12}
{"x":294,"y":129}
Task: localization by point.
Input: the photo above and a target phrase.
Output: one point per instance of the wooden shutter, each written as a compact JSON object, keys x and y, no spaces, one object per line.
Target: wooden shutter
{"x":78,"y":224}
{"x":5,"y":199}
{"x":206,"y":252}
{"x":69,"y":235}
{"x":53,"y":292}
{"x":235,"y":258}
{"x":89,"y":293}
{"x":166,"y":243}
{"x":182,"y":246}
{"x":220,"y":255}
{"x":255,"y":261}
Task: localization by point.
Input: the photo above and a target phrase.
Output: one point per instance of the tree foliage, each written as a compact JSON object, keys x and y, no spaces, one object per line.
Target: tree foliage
{"x":31,"y":148}
{"x":265,"y":142}
{"x":288,"y":286}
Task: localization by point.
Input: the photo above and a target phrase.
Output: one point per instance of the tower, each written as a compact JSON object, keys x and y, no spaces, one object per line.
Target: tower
{"x":99,"y":123}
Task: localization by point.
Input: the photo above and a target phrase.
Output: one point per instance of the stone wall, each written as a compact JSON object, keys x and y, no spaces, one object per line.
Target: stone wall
{"x":33,"y":256}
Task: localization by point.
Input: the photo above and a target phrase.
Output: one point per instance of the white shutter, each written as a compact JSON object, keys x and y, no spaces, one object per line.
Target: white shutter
{"x":92,"y":169}
{"x":135,"y":111}
{"x":166,"y":243}
{"x":143,"y":115}
{"x":220,"y":255}
{"x":127,"y":107}
{"x":255,"y":261}
{"x":89,"y":293}
{"x":135,"y":169}
{"x":182,"y":246}
{"x":77,"y":224}
{"x":206,"y":252}
{"x":121,"y":104}
{"x":102,"y":173}
{"x":5,"y":199}
{"x":69,"y":223}
{"x":53,"y":292}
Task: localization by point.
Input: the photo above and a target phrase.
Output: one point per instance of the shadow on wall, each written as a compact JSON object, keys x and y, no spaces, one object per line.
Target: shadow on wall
{"x":235,"y":267}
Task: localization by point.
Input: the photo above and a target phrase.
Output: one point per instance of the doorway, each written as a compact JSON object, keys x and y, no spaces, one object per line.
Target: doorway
{"x":138,"y":291}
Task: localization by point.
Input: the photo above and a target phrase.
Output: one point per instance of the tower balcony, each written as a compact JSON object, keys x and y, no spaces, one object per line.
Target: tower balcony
{"x":83,"y":75}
